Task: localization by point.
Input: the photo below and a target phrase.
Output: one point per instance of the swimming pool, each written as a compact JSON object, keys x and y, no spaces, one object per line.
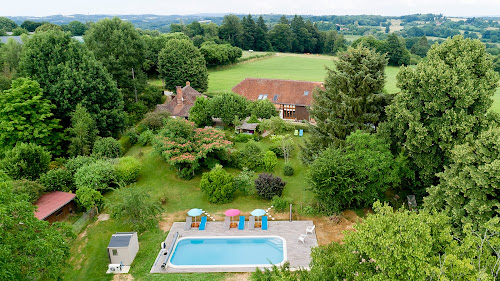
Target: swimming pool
{"x":229,"y":251}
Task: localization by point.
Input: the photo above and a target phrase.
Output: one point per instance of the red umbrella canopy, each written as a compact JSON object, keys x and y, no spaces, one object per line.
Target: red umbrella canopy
{"x":232,"y":212}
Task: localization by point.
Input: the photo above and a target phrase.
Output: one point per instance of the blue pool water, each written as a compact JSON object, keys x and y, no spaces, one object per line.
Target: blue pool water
{"x":228,"y":251}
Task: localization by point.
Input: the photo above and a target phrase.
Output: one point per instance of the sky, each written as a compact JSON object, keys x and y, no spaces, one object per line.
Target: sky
{"x":303,"y":7}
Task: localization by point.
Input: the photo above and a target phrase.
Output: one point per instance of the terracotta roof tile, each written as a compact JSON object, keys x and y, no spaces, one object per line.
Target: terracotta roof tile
{"x":51,"y":202}
{"x":278,"y":91}
{"x":189,"y":94}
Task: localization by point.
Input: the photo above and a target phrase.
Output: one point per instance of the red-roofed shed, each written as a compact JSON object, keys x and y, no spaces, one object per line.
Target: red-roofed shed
{"x":55,"y":206}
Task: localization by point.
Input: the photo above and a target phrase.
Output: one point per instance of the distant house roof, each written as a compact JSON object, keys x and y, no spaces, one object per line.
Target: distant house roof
{"x":51,"y":202}
{"x":120,"y":239}
{"x":278,"y":90}
{"x":247,"y":126}
{"x":176,"y":108}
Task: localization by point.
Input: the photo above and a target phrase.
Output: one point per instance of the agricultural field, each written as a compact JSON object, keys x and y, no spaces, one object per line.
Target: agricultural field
{"x":283,"y":66}
{"x":280,"y":66}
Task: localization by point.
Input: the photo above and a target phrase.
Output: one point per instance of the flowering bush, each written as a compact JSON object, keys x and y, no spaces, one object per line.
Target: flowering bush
{"x":183,"y":145}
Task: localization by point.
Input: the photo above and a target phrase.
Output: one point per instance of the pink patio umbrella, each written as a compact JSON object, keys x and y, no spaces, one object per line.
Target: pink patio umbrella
{"x":232,"y":212}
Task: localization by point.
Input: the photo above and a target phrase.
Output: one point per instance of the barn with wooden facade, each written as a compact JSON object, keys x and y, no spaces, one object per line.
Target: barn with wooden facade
{"x":292,"y":98}
{"x":55,"y":206}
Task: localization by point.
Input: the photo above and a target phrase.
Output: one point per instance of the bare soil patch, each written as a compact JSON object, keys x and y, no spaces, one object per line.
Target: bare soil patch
{"x":123,"y":277}
{"x":328,"y":229}
{"x":238,"y":276}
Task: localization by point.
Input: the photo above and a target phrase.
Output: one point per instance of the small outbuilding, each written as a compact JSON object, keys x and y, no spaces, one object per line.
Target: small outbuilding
{"x":247,"y":128}
{"x":55,"y":206}
{"x":123,"y":247}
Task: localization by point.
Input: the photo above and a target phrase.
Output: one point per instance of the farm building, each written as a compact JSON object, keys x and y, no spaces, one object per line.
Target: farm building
{"x":180,"y":105}
{"x":55,"y":206}
{"x":123,"y":247}
{"x":291,"y":97}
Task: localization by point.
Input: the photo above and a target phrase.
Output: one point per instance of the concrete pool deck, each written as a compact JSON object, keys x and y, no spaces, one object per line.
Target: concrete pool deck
{"x":298,"y":253}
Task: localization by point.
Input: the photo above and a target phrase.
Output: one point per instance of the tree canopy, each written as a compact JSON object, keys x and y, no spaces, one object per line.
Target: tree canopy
{"x":227,"y":106}
{"x":468,"y":190}
{"x":68,"y":75}
{"x":352,"y":100}
{"x":32,"y":249}
{"x":120,"y":48}
{"x":354,"y":175}
{"x":180,"y":61}
{"x":25,"y":116}
{"x":443,"y":101}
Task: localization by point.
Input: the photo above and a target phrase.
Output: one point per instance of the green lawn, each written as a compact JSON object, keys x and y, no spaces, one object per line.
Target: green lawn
{"x":390,"y":79}
{"x":89,"y":258}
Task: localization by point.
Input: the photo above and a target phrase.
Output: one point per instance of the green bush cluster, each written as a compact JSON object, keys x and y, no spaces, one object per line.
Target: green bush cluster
{"x":268,"y":186}
{"x":107,"y":148}
{"x":250,"y":156}
{"x":269,"y":161}
{"x":281,"y":204}
{"x":26,"y":161}
{"x":127,"y":169}
{"x":75,"y":163}
{"x":244,"y":182}
{"x":243,"y":137}
{"x":99,"y":175}
{"x":288,"y":170}
{"x":31,"y":189}
{"x":154,"y":120}
{"x":58,"y":180}
{"x":145,"y":137}
{"x":218,"y":185}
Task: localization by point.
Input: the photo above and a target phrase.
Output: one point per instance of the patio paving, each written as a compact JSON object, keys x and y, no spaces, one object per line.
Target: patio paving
{"x":298,"y":254}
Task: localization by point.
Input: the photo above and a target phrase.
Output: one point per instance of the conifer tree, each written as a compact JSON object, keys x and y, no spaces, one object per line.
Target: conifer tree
{"x":352,"y":100}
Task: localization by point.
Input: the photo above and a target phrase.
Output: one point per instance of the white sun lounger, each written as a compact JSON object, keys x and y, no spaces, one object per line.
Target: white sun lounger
{"x":227,"y":223}
{"x":189,"y":221}
{"x":251,"y":222}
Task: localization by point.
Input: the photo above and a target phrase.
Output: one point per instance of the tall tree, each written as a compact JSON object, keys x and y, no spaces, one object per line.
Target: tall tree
{"x":227,"y":106}
{"x":301,"y":38}
{"x":283,"y":20}
{"x":200,"y":112}
{"x":333,"y":42}
{"x":262,"y":42}
{"x":181,"y":61}
{"x":443,"y":101}
{"x":69,"y":74}
{"x":281,"y":38}
{"x":25,"y":116}
{"x":10,"y":54}
{"x":396,"y":51}
{"x":120,"y":48}
{"x":352,"y":100}
{"x":468,"y":190}
{"x":421,"y":47}
{"x":83,"y":132}
{"x":231,"y":30}
{"x":249,"y":32}
{"x":7,"y":24}
{"x":32,"y":249}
